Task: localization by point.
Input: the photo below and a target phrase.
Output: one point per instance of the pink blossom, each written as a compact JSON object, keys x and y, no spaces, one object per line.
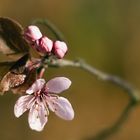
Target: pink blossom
{"x":41,"y":97}
{"x":60,"y":49}
{"x":32,"y":33}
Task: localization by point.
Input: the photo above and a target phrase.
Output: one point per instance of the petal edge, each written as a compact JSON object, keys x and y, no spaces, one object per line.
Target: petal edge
{"x":62,"y":108}
{"x":58,"y":84}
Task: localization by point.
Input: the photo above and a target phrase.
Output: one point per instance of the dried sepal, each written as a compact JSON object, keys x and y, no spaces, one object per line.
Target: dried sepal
{"x":29,"y":80}
{"x":20,"y":65}
{"x":16,"y":75}
{"x":11,"y":80}
{"x":11,"y":38}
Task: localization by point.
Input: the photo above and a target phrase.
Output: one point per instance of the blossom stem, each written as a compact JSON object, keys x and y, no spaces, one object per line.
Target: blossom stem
{"x":41,"y":72}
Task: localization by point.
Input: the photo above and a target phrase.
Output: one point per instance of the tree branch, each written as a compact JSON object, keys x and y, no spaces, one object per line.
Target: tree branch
{"x":132,"y":92}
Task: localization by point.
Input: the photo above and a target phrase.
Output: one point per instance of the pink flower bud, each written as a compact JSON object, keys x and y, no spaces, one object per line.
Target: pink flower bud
{"x":45,"y":45}
{"x":60,"y":49}
{"x":32,"y":33}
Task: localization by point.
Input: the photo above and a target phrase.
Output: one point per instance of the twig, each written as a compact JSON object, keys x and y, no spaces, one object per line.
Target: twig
{"x":105,"y":133}
{"x":99,"y":74}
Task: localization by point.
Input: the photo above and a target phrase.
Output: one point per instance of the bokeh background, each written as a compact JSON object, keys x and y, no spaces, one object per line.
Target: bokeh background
{"x":106,"y":33}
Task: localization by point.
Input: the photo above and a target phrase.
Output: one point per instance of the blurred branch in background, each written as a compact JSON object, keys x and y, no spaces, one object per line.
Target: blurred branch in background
{"x":116,"y":126}
{"x":51,"y":27}
{"x":131,"y":91}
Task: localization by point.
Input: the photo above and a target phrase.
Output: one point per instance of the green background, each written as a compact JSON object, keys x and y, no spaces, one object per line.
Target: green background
{"x":106,"y":33}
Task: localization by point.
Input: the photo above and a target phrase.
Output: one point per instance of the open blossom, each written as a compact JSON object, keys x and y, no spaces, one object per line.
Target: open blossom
{"x":41,"y":97}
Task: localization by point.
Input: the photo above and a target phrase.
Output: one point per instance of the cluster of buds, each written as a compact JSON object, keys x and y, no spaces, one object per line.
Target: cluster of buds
{"x":43,"y":44}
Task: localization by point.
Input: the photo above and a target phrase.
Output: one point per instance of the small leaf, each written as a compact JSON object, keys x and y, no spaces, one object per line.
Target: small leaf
{"x":11,"y":39}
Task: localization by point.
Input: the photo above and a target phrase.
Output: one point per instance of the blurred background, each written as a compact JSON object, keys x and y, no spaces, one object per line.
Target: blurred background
{"x":106,"y":33}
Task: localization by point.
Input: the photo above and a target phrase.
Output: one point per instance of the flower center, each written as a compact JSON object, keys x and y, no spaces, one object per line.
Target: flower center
{"x":38,"y":93}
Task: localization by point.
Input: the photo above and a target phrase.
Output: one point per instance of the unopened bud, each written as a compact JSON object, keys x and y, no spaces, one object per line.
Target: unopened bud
{"x":45,"y":45}
{"x":60,"y":49}
{"x":32,"y":33}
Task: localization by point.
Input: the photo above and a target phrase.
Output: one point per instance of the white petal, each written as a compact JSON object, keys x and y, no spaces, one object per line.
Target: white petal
{"x":62,"y":107}
{"x":37,"y":116}
{"x":58,"y":84}
{"x":22,"y":104}
{"x":37,"y":85}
